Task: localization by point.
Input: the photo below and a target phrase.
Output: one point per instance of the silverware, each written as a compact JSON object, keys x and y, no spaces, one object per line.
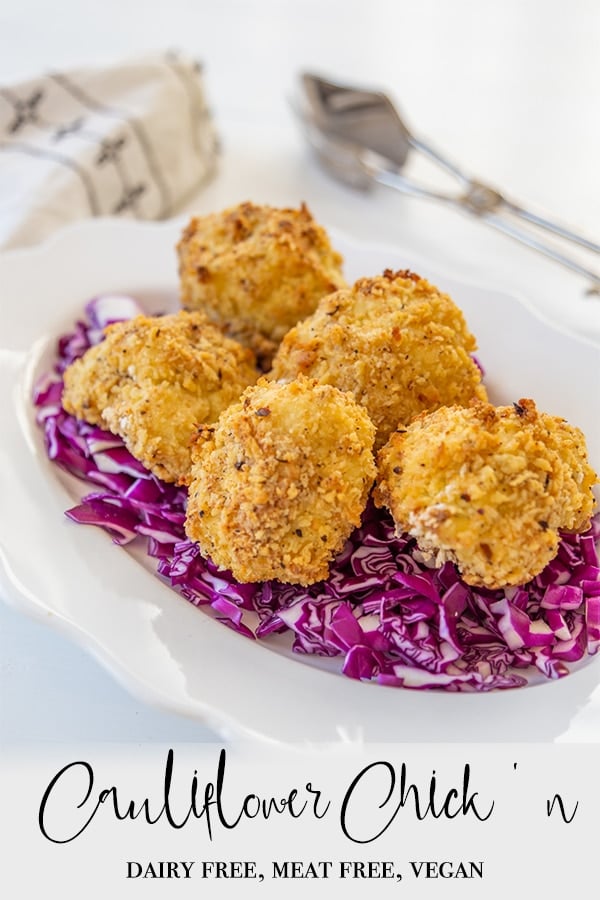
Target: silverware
{"x":360,"y":138}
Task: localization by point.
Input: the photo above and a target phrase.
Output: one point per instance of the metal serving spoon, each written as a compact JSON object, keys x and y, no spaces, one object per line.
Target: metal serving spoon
{"x":360,"y":139}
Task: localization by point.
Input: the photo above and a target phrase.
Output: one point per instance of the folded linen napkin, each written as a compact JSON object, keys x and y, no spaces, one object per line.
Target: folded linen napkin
{"x":134,"y":139}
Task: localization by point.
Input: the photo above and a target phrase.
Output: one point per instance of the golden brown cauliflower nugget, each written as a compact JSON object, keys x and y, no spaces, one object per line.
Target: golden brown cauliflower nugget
{"x":152,"y":381}
{"x":257,"y":270}
{"x":281,"y":480}
{"x":397,"y":343}
{"x":488,"y":488}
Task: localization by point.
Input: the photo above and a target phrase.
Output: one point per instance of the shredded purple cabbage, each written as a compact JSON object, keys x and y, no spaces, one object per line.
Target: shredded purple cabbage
{"x":384,"y":611}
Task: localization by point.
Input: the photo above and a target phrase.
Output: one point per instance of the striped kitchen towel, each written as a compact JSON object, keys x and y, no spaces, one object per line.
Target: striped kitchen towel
{"x":135,"y":139}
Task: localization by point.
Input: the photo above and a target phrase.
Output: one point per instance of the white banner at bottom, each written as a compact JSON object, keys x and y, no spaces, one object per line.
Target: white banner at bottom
{"x":394,"y":821}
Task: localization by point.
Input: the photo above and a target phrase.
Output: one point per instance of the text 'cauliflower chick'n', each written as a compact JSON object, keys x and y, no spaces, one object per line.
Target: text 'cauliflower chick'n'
{"x":280,"y":482}
{"x":395,"y":341}
{"x":154,"y":380}
{"x":488,"y":488}
{"x":257,"y":270}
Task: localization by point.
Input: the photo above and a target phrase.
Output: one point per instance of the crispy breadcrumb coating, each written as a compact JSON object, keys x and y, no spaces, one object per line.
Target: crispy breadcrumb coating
{"x":279,"y":483}
{"x":257,"y":270}
{"x":153,"y":381}
{"x":488,"y":488}
{"x":397,"y":343}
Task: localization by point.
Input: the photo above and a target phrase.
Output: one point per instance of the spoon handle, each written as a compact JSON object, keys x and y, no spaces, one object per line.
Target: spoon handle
{"x":525,"y":237}
{"x":549,"y":225}
{"x":495,"y":200}
{"x":488,"y":206}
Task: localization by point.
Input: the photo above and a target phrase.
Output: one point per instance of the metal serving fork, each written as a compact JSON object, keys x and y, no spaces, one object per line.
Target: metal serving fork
{"x":360,"y":139}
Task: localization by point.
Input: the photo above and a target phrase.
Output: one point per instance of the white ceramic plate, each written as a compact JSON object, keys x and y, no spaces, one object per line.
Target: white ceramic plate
{"x":158,"y":645}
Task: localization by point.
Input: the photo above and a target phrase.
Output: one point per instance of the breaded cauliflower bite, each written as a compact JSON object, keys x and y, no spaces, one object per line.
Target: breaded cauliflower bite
{"x":279,"y":483}
{"x":488,"y":488}
{"x":395,"y":341}
{"x":153,"y":381}
{"x":257,"y":270}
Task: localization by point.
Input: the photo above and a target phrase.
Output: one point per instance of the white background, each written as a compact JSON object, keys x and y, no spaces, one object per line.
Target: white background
{"x":509,"y":89}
